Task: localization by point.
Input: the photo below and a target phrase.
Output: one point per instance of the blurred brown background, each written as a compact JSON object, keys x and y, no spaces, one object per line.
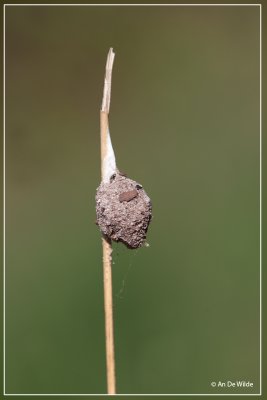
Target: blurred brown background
{"x":185,"y":123}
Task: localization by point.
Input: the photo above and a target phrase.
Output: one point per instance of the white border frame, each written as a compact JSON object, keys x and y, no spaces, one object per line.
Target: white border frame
{"x":4,"y":203}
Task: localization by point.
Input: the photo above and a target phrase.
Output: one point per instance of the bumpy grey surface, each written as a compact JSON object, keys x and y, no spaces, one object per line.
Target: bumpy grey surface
{"x":123,"y":211}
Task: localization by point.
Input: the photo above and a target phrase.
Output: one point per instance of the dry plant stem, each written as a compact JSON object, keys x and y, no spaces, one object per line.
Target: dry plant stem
{"x":110,"y":356}
{"x":107,"y":153}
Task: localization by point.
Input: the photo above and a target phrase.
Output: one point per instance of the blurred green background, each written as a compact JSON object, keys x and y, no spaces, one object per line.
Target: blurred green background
{"x":185,"y":123}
